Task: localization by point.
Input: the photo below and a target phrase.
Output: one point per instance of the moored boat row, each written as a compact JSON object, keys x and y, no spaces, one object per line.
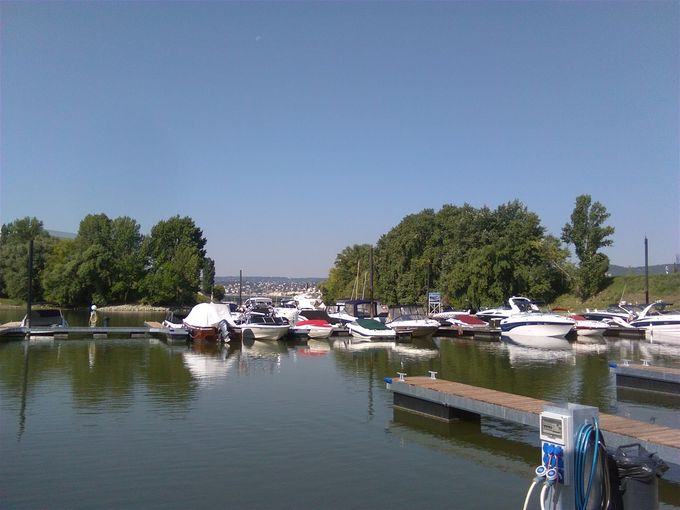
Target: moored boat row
{"x":521,"y":321}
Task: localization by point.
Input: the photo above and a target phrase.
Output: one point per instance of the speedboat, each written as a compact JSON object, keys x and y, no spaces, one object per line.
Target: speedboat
{"x":460,"y":319}
{"x":590,"y":329}
{"x":411,"y":320}
{"x":660,"y":325}
{"x":537,"y":324}
{"x":310,"y":300}
{"x":312,"y":328}
{"x":46,"y":320}
{"x":371,"y":329}
{"x":352,"y":309}
{"x":209,"y":321}
{"x":261,"y":323}
{"x":621,"y":313}
{"x":587,"y":330}
{"x":516,"y":305}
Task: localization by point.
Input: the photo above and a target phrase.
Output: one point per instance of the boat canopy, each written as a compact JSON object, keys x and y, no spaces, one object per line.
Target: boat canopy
{"x":372,"y":324}
{"x":206,"y":315}
{"x":406,"y":312}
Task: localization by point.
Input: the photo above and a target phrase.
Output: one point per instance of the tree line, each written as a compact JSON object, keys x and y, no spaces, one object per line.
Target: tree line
{"x":477,"y":257}
{"x":109,"y":261}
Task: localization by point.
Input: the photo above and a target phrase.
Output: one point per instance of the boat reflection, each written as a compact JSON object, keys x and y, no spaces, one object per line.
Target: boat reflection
{"x":537,"y":342}
{"x":314,"y":348}
{"x":263,"y":348}
{"x":520,"y":355}
{"x":208,"y":362}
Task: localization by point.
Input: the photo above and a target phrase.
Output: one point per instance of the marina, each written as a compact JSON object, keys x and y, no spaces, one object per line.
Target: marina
{"x":197,"y":417}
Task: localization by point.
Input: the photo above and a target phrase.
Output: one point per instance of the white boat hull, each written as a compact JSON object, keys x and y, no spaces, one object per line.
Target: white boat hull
{"x":537,"y":325}
{"x":415,"y":328}
{"x":263,"y":331}
{"x":371,"y":334}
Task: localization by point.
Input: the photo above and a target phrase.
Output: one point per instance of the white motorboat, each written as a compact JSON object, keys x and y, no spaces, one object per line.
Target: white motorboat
{"x":659,"y":324}
{"x":621,"y":313}
{"x":411,"y":320}
{"x":590,"y":329}
{"x":310,"y":300}
{"x":209,"y":321}
{"x":587,"y":330}
{"x":371,"y":329}
{"x":260,"y":322}
{"x":537,"y":324}
{"x":516,"y":305}
{"x":312,"y":328}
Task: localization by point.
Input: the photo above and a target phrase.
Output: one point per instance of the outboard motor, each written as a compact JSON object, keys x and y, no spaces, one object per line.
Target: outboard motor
{"x":223,"y":328}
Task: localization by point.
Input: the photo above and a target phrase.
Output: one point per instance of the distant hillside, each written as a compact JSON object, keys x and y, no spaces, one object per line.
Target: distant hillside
{"x":615,"y":270}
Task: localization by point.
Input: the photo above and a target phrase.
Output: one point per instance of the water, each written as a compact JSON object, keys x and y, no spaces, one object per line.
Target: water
{"x":140,"y":424}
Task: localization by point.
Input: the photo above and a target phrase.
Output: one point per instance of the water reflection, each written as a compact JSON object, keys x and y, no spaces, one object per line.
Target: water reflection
{"x":209,"y":361}
{"x":520,"y":355}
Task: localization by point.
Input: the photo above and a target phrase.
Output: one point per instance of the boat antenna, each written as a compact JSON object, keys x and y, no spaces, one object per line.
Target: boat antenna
{"x":623,"y":291}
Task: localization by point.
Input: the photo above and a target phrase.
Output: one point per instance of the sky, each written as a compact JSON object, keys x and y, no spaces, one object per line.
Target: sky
{"x":290,"y":130}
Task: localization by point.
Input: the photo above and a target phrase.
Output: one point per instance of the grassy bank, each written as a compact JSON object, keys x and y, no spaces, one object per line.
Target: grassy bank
{"x":629,"y":288}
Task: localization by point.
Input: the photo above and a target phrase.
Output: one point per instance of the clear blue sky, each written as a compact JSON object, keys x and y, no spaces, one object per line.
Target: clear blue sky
{"x":291,"y":130}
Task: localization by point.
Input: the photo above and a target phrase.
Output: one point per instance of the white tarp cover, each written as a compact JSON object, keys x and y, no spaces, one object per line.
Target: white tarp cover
{"x":205,"y":315}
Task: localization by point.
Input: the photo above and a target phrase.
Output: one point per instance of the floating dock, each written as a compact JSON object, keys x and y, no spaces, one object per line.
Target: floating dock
{"x":647,"y":377}
{"x":448,"y":400}
{"x":13,"y":330}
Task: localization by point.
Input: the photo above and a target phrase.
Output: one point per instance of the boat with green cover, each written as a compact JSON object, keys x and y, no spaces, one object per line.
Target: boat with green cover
{"x":371,"y":329}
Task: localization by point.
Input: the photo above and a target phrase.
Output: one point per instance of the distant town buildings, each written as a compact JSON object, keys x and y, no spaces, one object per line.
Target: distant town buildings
{"x":266,"y":285}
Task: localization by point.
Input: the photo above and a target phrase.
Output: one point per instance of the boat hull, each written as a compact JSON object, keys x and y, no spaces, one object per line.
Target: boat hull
{"x":536,"y":328}
{"x":263,"y":331}
{"x":371,"y":334}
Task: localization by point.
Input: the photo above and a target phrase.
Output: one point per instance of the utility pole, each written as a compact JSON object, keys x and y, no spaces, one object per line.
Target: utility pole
{"x":646,"y":273}
{"x":29,"y":298}
{"x":240,"y":287}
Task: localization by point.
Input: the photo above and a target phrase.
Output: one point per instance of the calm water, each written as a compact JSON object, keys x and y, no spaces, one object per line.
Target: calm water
{"x":140,"y":424}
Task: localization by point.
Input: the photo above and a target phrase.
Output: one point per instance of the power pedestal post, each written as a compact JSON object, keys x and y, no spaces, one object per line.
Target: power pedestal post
{"x":558,"y":427}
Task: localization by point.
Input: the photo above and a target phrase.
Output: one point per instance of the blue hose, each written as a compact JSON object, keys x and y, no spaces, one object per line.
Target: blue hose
{"x":588,"y":435}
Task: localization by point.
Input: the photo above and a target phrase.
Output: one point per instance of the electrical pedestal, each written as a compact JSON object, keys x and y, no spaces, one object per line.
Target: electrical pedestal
{"x":558,"y":427}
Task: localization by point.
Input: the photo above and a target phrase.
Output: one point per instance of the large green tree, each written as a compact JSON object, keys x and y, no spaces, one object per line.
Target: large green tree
{"x":588,"y":233}
{"x":14,"y":248}
{"x":175,"y":253}
{"x":349,"y":277}
{"x":474,"y":256}
{"x":102,"y":265}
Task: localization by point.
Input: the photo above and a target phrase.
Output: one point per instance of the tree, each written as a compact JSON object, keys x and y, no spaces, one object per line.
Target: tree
{"x":588,"y":234}
{"x":403,"y":259}
{"x":208,"y":276}
{"x":128,"y":267}
{"x":102,"y":264}
{"x":174,"y":252}
{"x":14,"y":241}
{"x":346,"y":278}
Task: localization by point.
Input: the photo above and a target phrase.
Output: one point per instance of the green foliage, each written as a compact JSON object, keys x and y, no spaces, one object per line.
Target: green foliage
{"x":474,"y":256}
{"x":587,"y":233}
{"x":14,"y":243}
{"x":349,"y":276}
{"x":175,"y":252}
{"x":208,"y":276}
{"x":103,"y":264}
{"x":219,"y":292}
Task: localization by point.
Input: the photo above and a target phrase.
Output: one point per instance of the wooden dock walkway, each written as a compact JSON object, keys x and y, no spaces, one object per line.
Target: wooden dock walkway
{"x":440,"y":399}
{"x":16,"y":331}
{"x":643,"y":376}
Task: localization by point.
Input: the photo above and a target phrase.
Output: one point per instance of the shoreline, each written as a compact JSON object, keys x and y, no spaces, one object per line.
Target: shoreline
{"x":107,"y":309}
